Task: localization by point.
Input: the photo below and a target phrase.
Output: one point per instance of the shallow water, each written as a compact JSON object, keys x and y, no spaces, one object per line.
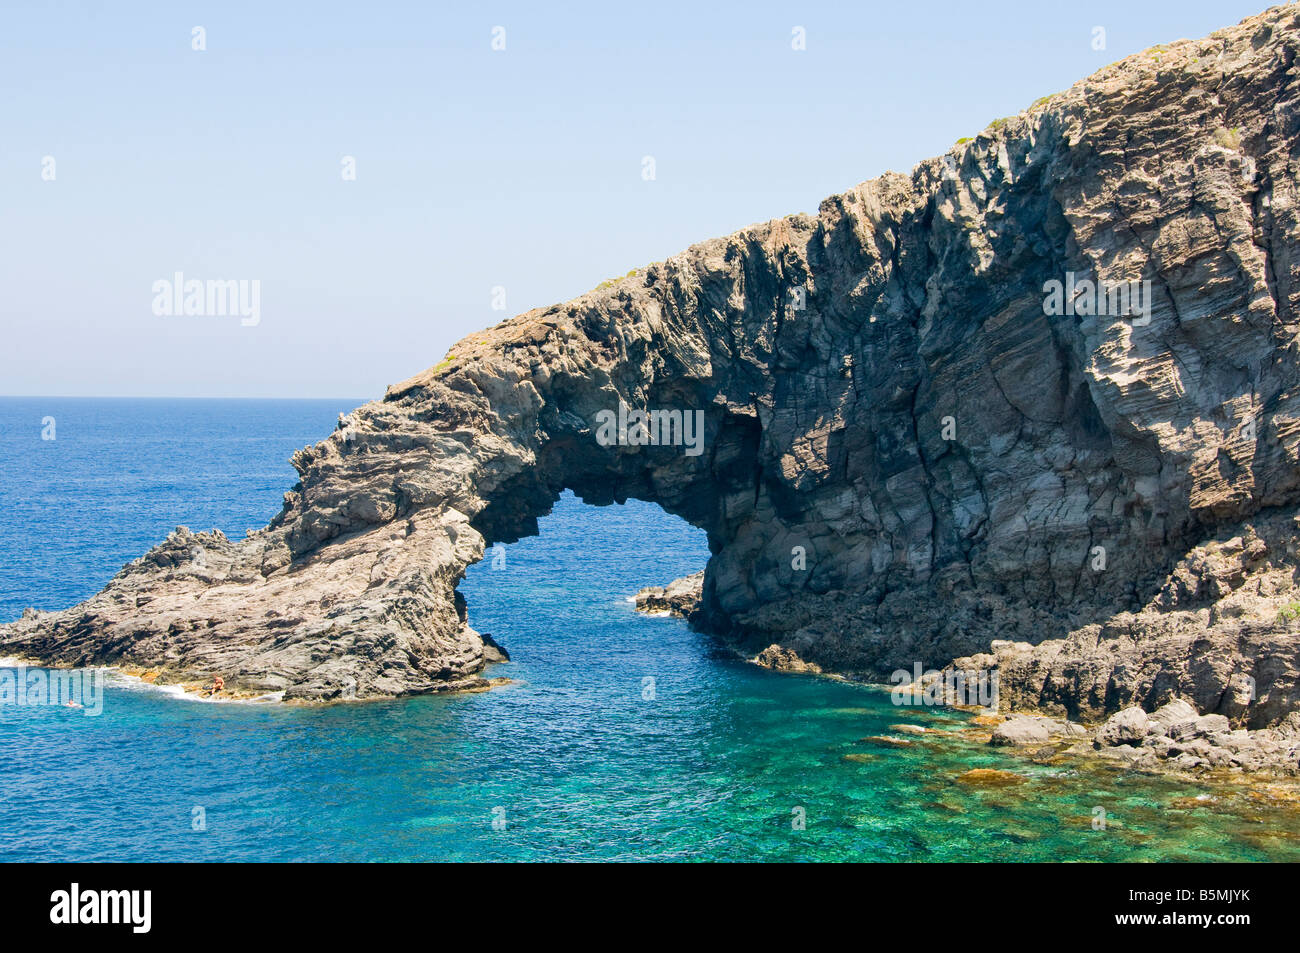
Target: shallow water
{"x":581,"y":758}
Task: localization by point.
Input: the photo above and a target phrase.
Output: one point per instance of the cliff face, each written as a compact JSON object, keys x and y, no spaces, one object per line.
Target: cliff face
{"x":905,"y":456}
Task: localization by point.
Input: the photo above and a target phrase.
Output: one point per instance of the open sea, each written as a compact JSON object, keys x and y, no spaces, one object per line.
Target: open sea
{"x":623,"y":737}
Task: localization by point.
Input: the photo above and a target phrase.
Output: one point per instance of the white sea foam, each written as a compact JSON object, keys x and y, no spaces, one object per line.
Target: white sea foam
{"x":120,"y":679}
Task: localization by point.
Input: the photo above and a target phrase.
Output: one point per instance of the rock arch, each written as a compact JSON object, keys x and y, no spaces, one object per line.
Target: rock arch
{"x":881,"y":385}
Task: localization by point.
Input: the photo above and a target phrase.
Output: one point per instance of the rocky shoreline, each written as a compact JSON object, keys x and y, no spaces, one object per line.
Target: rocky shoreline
{"x":1174,"y":736}
{"x":903,"y":454}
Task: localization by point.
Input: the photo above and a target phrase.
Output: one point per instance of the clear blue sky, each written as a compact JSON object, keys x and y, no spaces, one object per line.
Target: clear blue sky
{"x":475,"y":168}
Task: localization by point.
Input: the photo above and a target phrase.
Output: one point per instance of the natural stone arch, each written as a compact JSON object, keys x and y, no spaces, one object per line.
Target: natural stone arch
{"x":880,"y":379}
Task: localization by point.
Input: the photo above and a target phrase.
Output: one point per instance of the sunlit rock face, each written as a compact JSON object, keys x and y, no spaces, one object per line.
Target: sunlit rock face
{"x":1000,"y":397}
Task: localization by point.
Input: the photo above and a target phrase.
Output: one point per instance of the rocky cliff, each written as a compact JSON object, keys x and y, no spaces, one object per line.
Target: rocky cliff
{"x":914,"y":443}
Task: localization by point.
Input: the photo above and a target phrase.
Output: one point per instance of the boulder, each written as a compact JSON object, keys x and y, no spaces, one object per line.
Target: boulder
{"x":1208,"y":726}
{"x":1127,"y":727}
{"x":1021,"y":730}
{"x":1173,"y":717}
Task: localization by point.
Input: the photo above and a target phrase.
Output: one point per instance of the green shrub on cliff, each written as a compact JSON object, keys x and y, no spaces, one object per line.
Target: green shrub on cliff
{"x":1228,"y":138}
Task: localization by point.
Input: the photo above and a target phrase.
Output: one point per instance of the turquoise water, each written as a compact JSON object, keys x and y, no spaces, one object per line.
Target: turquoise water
{"x":580,"y":758}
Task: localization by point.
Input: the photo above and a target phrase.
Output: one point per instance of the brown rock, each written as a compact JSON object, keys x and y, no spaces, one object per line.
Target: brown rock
{"x":990,"y":778}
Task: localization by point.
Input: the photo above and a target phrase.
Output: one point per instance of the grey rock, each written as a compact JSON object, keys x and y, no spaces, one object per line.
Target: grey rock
{"x":905,"y":458}
{"x":1127,"y":727}
{"x":1021,"y":730}
{"x":783,"y":658}
{"x":1172,"y":718}
{"x":680,"y":597}
{"x":1212,"y":725}
{"x":492,"y":652}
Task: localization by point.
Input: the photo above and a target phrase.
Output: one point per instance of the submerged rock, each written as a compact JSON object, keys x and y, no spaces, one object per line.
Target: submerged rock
{"x":1047,"y":754}
{"x":990,"y":778}
{"x":885,"y":741}
{"x":915,"y":730}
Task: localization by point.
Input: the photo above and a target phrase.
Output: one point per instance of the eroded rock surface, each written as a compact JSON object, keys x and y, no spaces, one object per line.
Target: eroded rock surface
{"x":681,"y":597}
{"x":904,"y":457}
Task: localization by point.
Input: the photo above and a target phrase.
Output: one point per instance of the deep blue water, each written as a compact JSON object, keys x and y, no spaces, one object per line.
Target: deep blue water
{"x":581,"y":758}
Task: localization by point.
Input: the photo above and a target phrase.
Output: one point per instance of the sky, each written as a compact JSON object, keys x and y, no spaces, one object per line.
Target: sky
{"x":498,"y":151}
